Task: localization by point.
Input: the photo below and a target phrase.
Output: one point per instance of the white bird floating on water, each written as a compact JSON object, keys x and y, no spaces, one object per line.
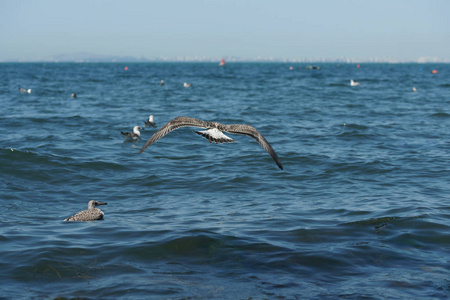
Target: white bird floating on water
{"x":90,"y":214}
{"x":186,"y":85}
{"x":25,"y":91}
{"x":150,"y":122}
{"x":132,"y":136}
{"x":414,"y":89}
{"x":354,"y":83}
{"x":214,"y":133}
{"x":161,"y":82}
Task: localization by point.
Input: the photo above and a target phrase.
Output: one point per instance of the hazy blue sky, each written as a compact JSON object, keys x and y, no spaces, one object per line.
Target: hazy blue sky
{"x":246,"y":29}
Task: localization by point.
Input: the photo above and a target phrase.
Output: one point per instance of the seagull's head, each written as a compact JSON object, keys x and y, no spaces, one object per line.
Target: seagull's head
{"x":95,"y":203}
{"x":136,"y":130}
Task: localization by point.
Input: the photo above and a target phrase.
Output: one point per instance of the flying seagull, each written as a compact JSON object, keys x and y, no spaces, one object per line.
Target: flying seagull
{"x":90,"y":214}
{"x":213,"y":133}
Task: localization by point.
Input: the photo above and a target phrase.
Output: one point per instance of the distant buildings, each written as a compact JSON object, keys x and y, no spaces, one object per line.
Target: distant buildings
{"x":85,"y":57}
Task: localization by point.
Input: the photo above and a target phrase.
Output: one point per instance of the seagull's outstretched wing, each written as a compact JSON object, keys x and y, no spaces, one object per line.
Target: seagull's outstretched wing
{"x":171,"y":126}
{"x":252,"y":132}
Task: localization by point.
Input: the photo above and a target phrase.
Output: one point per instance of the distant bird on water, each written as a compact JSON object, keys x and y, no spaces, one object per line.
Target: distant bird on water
{"x":73,"y":95}
{"x":25,"y":91}
{"x":150,"y":122}
{"x":414,"y":89}
{"x":161,"y":82}
{"x":90,"y":214}
{"x":214,"y":133}
{"x":186,"y":85}
{"x":132,"y":136}
{"x":354,"y":83}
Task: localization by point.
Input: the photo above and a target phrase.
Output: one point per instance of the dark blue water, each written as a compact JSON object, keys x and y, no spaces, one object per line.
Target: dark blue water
{"x":361,"y":210}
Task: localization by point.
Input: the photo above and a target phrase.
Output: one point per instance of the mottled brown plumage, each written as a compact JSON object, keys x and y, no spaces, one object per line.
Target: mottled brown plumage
{"x":90,"y":214}
{"x":214,"y":133}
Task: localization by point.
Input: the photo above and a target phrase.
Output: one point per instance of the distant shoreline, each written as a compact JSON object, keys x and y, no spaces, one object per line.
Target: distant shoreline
{"x":215,"y":62}
{"x":87,"y":57}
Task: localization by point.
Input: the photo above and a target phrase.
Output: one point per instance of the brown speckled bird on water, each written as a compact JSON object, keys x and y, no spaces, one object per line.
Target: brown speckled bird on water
{"x":90,"y":214}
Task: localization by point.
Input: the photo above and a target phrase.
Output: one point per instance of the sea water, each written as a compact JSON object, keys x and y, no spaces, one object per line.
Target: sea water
{"x":361,"y":209}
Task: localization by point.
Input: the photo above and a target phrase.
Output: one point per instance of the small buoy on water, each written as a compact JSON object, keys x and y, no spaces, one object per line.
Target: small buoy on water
{"x":291,"y":68}
{"x":434,"y":71}
{"x":126,"y":68}
{"x":358,"y":66}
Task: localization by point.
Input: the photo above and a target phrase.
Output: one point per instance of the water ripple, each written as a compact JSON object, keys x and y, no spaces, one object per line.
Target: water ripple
{"x":359,"y":211}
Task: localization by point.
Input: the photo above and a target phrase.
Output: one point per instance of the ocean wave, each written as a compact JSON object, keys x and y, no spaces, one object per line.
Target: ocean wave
{"x":440,"y":115}
{"x":358,"y":211}
{"x":173,"y":255}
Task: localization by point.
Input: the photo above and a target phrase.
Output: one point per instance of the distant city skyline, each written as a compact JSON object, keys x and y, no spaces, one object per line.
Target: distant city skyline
{"x":85,"y":57}
{"x":201,"y":30}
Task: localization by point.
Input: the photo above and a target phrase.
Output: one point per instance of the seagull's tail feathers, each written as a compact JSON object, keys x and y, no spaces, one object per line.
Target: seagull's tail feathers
{"x":215,"y":136}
